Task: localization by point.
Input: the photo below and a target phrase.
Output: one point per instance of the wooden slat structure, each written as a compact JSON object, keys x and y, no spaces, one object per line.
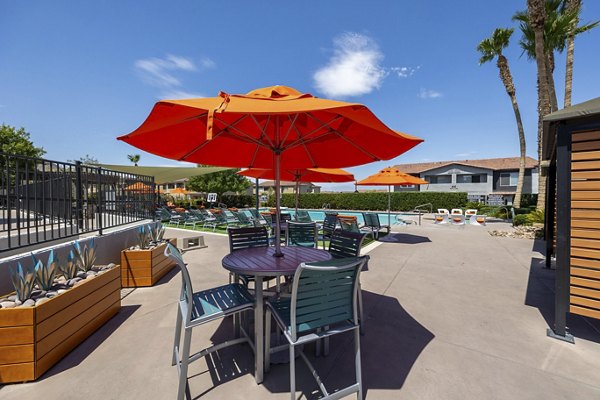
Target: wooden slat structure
{"x":572,"y":150}
{"x":140,"y":268}
{"x":34,"y":339}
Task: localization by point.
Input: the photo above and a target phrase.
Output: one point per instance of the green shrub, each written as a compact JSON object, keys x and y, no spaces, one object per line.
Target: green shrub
{"x":521,"y":219}
{"x":238,"y":201}
{"x":475,"y":205}
{"x":536,"y":217}
{"x":400,"y":201}
{"x":528,"y":199}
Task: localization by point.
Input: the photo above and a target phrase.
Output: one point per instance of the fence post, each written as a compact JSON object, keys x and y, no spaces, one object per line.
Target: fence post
{"x":99,"y":196}
{"x":79,"y":200}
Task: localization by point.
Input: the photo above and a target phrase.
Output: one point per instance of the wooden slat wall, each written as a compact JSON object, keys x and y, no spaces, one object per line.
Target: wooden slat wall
{"x":585,"y":224}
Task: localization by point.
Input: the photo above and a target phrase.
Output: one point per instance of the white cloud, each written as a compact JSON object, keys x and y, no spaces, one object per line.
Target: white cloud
{"x":354,"y":69}
{"x":162,"y":73}
{"x":404,"y":72}
{"x":428,"y":94}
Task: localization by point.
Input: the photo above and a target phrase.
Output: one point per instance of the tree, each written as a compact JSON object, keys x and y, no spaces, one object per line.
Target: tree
{"x":18,"y":142}
{"x":491,"y":48}
{"x":86,"y":160}
{"x":219,"y":182}
{"x":134,"y":158}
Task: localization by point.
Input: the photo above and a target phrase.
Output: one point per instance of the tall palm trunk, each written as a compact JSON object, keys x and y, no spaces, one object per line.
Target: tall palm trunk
{"x":553,"y":101}
{"x":507,"y":80}
{"x":571,"y":5}
{"x":537,"y":16}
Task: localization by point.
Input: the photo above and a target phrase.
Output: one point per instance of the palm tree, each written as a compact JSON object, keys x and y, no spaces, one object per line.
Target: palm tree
{"x":134,"y":158}
{"x":491,"y":48}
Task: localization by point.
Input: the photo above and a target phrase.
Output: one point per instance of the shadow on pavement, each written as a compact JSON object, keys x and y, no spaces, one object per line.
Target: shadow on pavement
{"x":405,"y":238}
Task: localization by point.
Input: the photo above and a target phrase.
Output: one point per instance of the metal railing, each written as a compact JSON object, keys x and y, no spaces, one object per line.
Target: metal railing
{"x":43,"y":200}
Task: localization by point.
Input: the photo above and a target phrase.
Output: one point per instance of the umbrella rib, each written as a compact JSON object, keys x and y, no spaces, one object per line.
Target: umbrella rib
{"x":314,"y":131}
{"x":302,"y":142}
{"x":292,"y":127}
{"x":263,"y":129}
{"x":244,"y":135}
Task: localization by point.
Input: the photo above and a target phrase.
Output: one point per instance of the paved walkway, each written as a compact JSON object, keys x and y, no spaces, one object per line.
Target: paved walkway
{"x":452,"y":313}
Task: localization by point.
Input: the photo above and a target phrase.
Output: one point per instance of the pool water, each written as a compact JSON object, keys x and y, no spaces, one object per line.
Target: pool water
{"x":319,"y":215}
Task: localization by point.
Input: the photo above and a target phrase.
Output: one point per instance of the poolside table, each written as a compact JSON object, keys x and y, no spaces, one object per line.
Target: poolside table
{"x":260,"y":262}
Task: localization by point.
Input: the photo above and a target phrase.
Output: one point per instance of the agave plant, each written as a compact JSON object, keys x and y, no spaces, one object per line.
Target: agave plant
{"x":45,"y":273}
{"x":85,"y":257}
{"x":156,"y":232}
{"x":143,"y":238}
{"x":70,"y":269}
{"x":23,"y":281}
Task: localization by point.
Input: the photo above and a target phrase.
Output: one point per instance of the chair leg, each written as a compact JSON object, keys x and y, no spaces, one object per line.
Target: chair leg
{"x":357,"y":365}
{"x":292,"y":372}
{"x":326,"y":344}
{"x":177,"y":335}
{"x":185,"y":359}
{"x":268,"y":340}
{"x":361,"y":314}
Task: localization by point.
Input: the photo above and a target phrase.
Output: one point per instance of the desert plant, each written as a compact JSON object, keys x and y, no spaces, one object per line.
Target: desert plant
{"x":536,"y":217}
{"x":156,"y":232}
{"x":71,"y":267}
{"x":521,"y":219}
{"x":143,"y":238}
{"x":85,"y":257}
{"x":45,"y":273}
{"x":23,"y":281}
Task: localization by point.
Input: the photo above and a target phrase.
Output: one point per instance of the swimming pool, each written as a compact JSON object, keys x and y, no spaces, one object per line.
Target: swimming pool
{"x":319,"y":215}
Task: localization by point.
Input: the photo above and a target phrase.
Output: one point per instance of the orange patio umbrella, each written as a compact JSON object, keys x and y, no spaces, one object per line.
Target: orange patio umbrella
{"x":275,"y":128}
{"x":391,"y":177}
{"x":301,"y":175}
{"x":139,"y":187}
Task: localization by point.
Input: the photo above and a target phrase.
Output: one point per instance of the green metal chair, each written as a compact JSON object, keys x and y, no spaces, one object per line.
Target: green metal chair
{"x":329,"y":226}
{"x":303,"y":216}
{"x":302,"y":234}
{"x":244,"y":238}
{"x":347,"y":244}
{"x":323,"y":304}
{"x":373,"y":225}
{"x":195,"y":309}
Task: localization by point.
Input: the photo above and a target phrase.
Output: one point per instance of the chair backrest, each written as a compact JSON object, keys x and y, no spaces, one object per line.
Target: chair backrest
{"x":284,"y":217}
{"x":470,"y":211}
{"x":242,"y":217}
{"x":443,"y":211}
{"x":301,"y":234}
{"x":348,"y":223}
{"x":329,"y":224}
{"x":268,"y":217}
{"x":344,"y":244}
{"x":325,"y":293}
{"x":372,"y":220}
{"x":303,"y":216}
{"x":243,"y":238}
{"x":187,"y":290}
{"x":456,"y":211}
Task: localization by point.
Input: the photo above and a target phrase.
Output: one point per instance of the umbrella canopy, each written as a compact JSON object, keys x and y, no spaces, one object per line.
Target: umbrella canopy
{"x":139,"y":187}
{"x":301,"y":175}
{"x":274,"y":128}
{"x":391,"y":177}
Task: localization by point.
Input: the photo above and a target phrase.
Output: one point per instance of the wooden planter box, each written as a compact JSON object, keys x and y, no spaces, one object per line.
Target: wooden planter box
{"x":145,"y":267}
{"x":33,"y":339}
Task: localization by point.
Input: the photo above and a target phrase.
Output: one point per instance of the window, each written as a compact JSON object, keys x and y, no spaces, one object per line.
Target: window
{"x":509,"y":178}
{"x":438,"y":178}
{"x":478,"y":178}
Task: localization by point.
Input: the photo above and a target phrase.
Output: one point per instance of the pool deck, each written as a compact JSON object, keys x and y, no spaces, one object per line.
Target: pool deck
{"x":452,"y":313}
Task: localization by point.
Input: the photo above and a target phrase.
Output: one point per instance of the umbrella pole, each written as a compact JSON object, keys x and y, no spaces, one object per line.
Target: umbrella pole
{"x":278,"y":252}
{"x":389,"y":207}
{"x":257,"y":202}
{"x":297,"y":196}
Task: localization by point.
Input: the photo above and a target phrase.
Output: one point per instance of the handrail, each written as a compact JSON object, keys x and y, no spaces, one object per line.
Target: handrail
{"x":422,"y":206}
{"x":326,"y":206}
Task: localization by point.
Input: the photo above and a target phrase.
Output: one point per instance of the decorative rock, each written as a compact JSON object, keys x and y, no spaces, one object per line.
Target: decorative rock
{"x":28,"y":303}
{"x":51,"y":294}
{"x":80,"y":282}
{"x":93,"y":273}
{"x":521,"y":232}
{"x":60,"y":291}
{"x":12,"y":297}
{"x":73,"y":281}
{"x":18,"y":302}
{"x":81,"y":275}
{"x":3,"y":299}
{"x":42,"y":300}
{"x":62,"y":279}
{"x":38,"y":293}
{"x":8,"y":304}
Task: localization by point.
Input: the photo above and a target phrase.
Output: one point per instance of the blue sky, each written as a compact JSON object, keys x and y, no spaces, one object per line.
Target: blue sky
{"x":78,"y":74}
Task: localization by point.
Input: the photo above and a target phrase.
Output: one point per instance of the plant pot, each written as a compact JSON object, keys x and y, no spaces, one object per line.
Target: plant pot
{"x":141,"y":268}
{"x":33,"y":339}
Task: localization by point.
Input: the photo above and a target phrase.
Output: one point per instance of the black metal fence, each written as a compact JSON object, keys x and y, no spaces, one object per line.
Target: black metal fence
{"x":43,"y":200}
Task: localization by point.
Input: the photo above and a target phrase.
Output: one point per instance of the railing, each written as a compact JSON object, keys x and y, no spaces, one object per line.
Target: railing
{"x":43,"y":200}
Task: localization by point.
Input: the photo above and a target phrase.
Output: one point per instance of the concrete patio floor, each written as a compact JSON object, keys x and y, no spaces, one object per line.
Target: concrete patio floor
{"x":452,"y":313}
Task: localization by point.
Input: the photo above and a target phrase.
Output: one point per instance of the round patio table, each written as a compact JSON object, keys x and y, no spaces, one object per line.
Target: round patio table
{"x":260,"y":262}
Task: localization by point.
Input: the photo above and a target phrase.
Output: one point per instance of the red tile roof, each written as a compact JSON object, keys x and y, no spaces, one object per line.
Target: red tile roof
{"x":495,"y":164}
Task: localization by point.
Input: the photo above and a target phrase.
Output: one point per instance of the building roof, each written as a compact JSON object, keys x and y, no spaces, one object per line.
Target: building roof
{"x":495,"y":164}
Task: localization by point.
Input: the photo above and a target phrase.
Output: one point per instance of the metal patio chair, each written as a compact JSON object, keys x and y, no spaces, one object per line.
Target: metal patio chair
{"x":329,"y":226}
{"x":323,"y":304}
{"x":195,"y":309}
{"x":244,"y":238}
{"x":301,"y":234}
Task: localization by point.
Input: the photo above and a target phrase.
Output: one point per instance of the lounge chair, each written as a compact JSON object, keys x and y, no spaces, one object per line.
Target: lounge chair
{"x":443,"y":211}
{"x":303,"y":216}
{"x":478,"y":220}
{"x":456,"y":211}
{"x":470,"y":211}
{"x":441,"y":219}
{"x":373,"y":224}
{"x":348,"y":223}
{"x":457,"y":219}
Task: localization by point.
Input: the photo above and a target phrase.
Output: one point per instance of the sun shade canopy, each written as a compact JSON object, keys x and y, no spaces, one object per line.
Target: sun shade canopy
{"x":391,"y":177}
{"x":164,"y":174}
{"x":301,"y":175}
{"x":245,"y":131}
